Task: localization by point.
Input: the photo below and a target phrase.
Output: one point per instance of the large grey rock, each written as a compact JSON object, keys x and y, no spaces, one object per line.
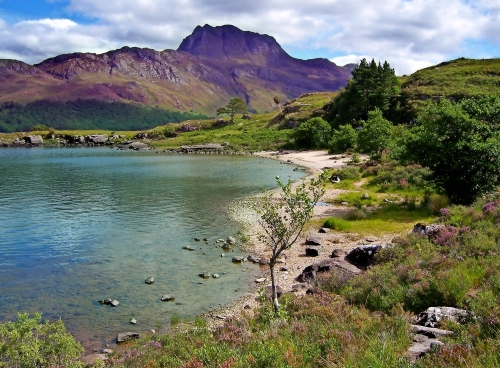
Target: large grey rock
{"x":363,"y":255}
{"x":433,"y":316}
{"x":310,"y":272}
{"x":138,"y":146}
{"x":237,"y":259}
{"x":313,"y":240}
{"x":34,"y":140}
{"x":114,"y":303}
{"x":97,"y":138}
{"x":426,"y":230}
{"x":126,"y":336}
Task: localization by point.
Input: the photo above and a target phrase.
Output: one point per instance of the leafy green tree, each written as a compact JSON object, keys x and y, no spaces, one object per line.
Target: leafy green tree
{"x":372,"y":86}
{"x":343,"y":138}
{"x":236,"y":105}
{"x":460,"y":143}
{"x":283,"y":217}
{"x":29,"y":343}
{"x":314,"y":133}
{"x":376,"y":133}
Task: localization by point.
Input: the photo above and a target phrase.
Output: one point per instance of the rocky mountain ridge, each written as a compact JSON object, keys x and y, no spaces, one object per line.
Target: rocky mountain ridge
{"x":211,"y":65}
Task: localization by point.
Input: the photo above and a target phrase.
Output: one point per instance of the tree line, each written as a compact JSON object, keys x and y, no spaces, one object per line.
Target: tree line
{"x":83,"y":114}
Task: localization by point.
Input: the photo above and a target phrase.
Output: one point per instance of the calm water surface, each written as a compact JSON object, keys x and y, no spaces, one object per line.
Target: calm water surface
{"x":83,"y":224}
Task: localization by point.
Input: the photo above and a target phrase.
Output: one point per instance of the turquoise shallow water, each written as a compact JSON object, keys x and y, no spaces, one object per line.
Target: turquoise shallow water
{"x":82,"y":224}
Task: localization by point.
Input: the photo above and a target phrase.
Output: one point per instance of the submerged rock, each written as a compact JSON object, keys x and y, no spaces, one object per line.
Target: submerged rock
{"x":126,"y":336}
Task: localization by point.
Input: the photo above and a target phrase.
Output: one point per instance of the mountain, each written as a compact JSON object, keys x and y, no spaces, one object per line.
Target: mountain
{"x":211,"y":66}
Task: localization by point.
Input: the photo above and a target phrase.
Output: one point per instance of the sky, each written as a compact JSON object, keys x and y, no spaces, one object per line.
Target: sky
{"x":409,"y":34}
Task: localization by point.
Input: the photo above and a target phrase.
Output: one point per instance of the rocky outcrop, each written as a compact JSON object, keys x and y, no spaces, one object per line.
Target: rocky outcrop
{"x":433,"y":316}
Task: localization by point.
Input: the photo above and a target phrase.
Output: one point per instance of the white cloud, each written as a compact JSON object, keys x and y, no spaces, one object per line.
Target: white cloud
{"x":410,"y":34}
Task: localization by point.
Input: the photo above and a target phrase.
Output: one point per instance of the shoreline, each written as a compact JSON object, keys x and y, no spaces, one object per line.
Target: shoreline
{"x":294,"y":260}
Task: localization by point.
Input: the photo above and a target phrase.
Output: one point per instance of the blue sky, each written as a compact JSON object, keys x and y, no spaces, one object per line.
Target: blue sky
{"x":410,"y":34}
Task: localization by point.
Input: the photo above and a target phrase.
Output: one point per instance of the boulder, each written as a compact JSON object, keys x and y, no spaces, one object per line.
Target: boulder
{"x":167,"y":298}
{"x":433,"y":316}
{"x":310,"y":272}
{"x":426,"y":230}
{"x":149,"y":280}
{"x":114,"y":303}
{"x":323,"y":230}
{"x":237,"y":259}
{"x":312,"y":251}
{"x":34,"y":140}
{"x":138,"y":146}
{"x":313,"y":240}
{"x":363,"y":255}
{"x":126,"y":336}
{"x":253,"y":259}
{"x":97,"y":138}
{"x":337,"y":253}
{"x":268,"y":294}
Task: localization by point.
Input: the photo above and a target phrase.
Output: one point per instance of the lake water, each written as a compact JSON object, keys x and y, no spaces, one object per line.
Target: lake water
{"x":82,"y":224}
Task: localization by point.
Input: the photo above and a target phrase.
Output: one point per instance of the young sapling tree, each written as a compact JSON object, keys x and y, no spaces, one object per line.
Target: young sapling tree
{"x":284,"y":215}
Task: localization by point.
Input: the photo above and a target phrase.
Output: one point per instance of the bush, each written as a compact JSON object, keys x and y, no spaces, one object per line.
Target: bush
{"x":347,"y":173}
{"x":376,"y":133}
{"x":314,"y":133}
{"x":343,"y":139}
{"x":29,"y":343}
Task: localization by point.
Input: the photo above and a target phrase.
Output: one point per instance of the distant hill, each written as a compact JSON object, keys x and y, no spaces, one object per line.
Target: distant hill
{"x":211,"y":66}
{"x":453,"y":79}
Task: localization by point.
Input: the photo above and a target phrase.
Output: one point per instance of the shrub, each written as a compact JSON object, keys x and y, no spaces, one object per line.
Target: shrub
{"x":355,"y":214}
{"x":28,"y":342}
{"x":314,"y":133}
{"x":348,"y":173}
{"x":343,"y":139}
{"x":436,"y":202}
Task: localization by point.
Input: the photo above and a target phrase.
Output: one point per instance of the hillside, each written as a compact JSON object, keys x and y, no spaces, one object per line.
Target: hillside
{"x":212,"y":65}
{"x":453,"y":79}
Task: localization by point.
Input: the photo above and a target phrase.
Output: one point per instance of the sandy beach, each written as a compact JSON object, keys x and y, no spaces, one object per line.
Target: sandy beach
{"x":294,"y":259}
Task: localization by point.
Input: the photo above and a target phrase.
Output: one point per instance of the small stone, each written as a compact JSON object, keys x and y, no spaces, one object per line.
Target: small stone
{"x":237,"y":259}
{"x":205,"y":239}
{"x":222,"y":255}
{"x":114,"y":303}
{"x":196,"y":239}
{"x":204,"y":275}
{"x":313,"y":240}
{"x":167,"y":298}
{"x":312,"y":252}
{"x":133,"y":321}
{"x":258,"y":281}
{"x":220,"y":317}
{"x":215,"y":276}
{"x":231,"y":240}
{"x":344,"y":203}
{"x":187,"y":247}
{"x":107,"y":351}
{"x":153,"y":331}
{"x":149,"y":280}
{"x":365,"y":196}
{"x":323,"y":230}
